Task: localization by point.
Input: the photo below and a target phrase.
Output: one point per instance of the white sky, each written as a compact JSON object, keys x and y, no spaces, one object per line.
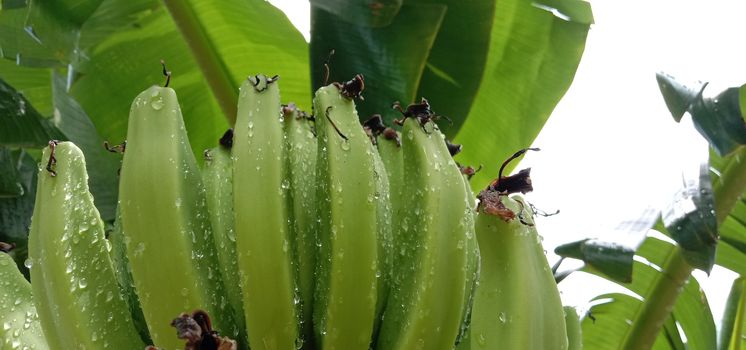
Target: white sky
{"x":614,"y":118}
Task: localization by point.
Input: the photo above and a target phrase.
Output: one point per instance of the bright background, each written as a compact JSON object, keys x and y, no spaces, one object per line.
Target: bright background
{"x":614,"y":118}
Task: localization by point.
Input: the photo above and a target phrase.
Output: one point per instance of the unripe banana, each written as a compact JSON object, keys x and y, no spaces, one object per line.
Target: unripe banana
{"x":20,"y":323}
{"x":263,"y":242}
{"x":435,"y":262}
{"x":352,"y":187}
{"x":389,"y":148}
{"x":75,"y":289}
{"x":574,"y":331}
{"x":517,"y":304}
{"x":301,"y":149}
{"x":218,"y":177}
{"x":118,"y":255}
{"x":164,"y":216}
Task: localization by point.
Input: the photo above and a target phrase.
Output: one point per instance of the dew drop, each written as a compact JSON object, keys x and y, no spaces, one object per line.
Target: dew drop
{"x":156,"y":101}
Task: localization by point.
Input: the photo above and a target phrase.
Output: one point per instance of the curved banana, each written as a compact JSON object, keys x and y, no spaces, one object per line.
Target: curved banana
{"x":263,"y":242}
{"x":20,"y":322}
{"x":517,"y":304}
{"x":435,"y":262}
{"x":301,"y":146}
{"x":75,"y":289}
{"x":574,"y":331}
{"x":164,"y":216}
{"x":218,"y":178}
{"x":352,"y":187}
{"x":118,"y":256}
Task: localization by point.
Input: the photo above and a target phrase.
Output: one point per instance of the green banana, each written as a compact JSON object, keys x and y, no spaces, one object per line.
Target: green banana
{"x":352,"y":268}
{"x":517,"y":304}
{"x":75,"y":289}
{"x":474,"y":264}
{"x":218,"y":178}
{"x":265,"y":255}
{"x":20,"y":322}
{"x":301,"y":146}
{"x":384,"y":211}
{"x":118,"y":256}
{"x":436,"y":263}
{"x":164,"y":216}
{"x":389,"y":149}
{"x":574,"y":331}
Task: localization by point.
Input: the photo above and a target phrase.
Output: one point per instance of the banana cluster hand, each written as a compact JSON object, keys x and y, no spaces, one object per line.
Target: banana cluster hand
{"x":300,"y":232}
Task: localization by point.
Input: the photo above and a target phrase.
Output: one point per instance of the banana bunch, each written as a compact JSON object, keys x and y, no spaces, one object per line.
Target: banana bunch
{"x":300,"y":232}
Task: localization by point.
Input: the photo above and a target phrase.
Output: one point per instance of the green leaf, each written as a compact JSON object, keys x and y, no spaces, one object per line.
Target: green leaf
{"x":691,"y":311}
{"x":33,"y":83}
{"x":731,"y":258}
{"x":391,"y":58}
{"x":10,"y":185}
{"x":22,"y":125}
{"x":248,"y":36}
{"x":54,"y":33}
{"x":37,"y":36}
{"x":12,"y":4}
{"x":75,"y":12}
{"x":420,"y":49}
{"x":15,"y":213}
{"x":610,"y":259}
{"x":101,"y":165}
{"x":733,"y":332}
{"x":361,"y":12}
{"x":532,"y":61}
{"x":609,"y":321}
{"x":719,"y":119}
{"x":458,"y":59}
{"x":19,"y":45}
{"x":233,"y":39}
{"x":111,"y":16}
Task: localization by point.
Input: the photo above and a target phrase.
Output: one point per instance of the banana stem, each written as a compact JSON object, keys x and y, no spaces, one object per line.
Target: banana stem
{"x":659,"y":303}
{"x":662,"y":298}
{"x":213,"y":68}
{"x":731,"y":184}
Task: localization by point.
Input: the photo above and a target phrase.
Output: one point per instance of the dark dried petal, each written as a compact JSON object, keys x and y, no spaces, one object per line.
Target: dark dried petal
{"x":227,"y":139}
{"x":491,"y":203}
{"x":515,"y":183}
